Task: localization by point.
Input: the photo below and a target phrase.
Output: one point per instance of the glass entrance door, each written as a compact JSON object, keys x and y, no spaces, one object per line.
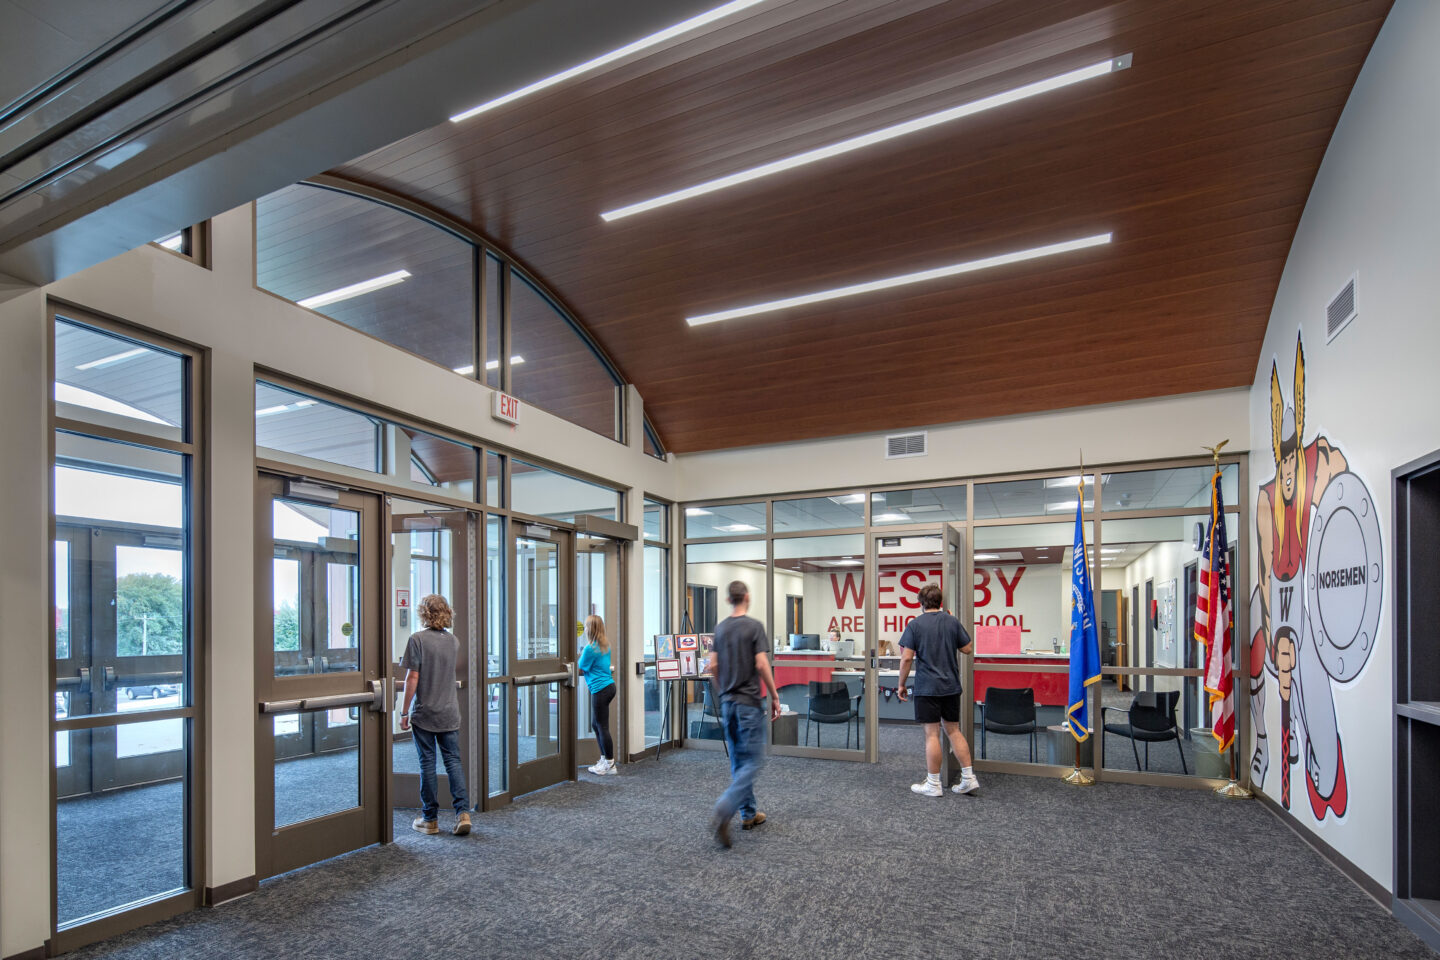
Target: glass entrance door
{"x":432,"y":550}
{"x":542,"y":672}
{"x":319,"y":675}
{"x":597,"y":592}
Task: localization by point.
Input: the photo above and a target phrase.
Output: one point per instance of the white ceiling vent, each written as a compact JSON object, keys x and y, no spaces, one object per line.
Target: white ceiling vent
{"x":905,"y":445}
{"x":1341,"y":310}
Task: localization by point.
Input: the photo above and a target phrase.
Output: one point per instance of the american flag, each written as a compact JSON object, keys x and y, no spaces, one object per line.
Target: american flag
{"x":1214,"y":620}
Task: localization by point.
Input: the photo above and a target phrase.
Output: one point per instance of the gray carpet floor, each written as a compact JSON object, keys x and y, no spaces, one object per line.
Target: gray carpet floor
{"x":851,"y":865}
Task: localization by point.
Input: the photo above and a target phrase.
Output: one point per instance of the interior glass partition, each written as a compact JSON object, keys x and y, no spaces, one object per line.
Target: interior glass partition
{"x":709,"y":570}
{"x":819,"y":644}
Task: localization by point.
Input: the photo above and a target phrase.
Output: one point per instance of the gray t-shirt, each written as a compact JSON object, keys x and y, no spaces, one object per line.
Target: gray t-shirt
{"x":935,"y":637}
{"x":432,"y":652}
{"x":737,"y":640}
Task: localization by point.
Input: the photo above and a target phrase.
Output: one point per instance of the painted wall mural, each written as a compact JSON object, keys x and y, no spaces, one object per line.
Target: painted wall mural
{"x":1316,"y":607}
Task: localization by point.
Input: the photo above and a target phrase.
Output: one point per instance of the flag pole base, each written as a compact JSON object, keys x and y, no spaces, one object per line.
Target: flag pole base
{"x":1078,"y":778}
{"x":1233,"y":791}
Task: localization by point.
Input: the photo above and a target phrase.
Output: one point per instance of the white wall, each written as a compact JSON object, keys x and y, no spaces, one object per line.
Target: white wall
{"x":242,"y":328}
{"x":1373,"y":393}
{"x":1108,"y":434}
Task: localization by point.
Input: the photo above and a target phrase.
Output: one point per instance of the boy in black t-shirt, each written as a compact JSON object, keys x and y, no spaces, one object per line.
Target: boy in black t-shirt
{"x":930,"y":642}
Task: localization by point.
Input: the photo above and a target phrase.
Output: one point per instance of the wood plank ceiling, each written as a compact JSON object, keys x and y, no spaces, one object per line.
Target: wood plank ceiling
{"x":1199,"y":159}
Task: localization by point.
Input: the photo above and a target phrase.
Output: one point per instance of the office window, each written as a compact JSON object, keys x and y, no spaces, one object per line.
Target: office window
{"x":926,"y":505}
{"x":294,"y":423}
{"x":820,"y":513}
{"x":113,"y":381}
{"x":656,"y":621}
{"x":652,"y":446}
{"x":436,"y":462}
{"x":371,"y":267}
{"x":545,"y":493}
{"x":553,"y":367}
{"x":494,"y":480}
{"x":724,"y":520}
{"x":1051,"y":496}
{"x":1157,"y":489}
{"x":715,"y":565}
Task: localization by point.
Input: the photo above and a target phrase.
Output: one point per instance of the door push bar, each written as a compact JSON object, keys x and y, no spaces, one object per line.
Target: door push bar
{"x":566,"y":676}
{"x":375,"y":700}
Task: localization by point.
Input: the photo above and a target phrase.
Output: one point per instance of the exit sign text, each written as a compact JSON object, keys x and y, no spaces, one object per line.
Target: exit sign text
{"x":505,"y":407}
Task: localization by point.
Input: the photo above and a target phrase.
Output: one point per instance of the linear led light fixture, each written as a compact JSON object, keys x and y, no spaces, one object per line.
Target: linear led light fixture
{"x":876,"y":136}
{"x":113,"y":358}
{"x":953,"y":269}
{"x":469,"y":368}
{"x":284,"y":408}
{"x":354,"y":290}
{"x":644,"y":43}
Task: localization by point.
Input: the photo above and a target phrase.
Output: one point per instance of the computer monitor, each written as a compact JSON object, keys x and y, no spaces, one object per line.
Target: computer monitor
{"x":804,"y":641}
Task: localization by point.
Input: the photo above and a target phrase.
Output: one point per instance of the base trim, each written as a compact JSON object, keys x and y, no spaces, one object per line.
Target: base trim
{"x":1373,"y":888}
{"x":1419,"y":921}
{"x":234,"y":890}
{"x":34,"y":953}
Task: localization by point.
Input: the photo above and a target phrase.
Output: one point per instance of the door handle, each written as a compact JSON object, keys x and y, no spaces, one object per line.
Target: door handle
{"x":375,"y":700}
{"x":566,"y":676}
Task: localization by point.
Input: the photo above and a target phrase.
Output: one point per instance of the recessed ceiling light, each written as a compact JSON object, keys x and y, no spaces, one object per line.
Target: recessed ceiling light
{"x":284,"y":408}
{"x":683,"y":27}
{"x":953,"y":269}
{"x":875,"y":136}
{"x":469,"y":368}
{"x":987,"y":556}
{"x":1063,"y":482}
{"x":1067,"y":505}
{"x":354,"y":290}
{"x":112,"y":359}
{"x":697,"y":512}
{"x":846,"y":562}
{"x":738,"y":528}
{"x":889,"y":518}
{"x":848,"y":498}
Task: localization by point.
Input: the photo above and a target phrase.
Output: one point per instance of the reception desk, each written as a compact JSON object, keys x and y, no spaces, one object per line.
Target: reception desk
{"x":1051,"y":689}
{"x":801,"y":667}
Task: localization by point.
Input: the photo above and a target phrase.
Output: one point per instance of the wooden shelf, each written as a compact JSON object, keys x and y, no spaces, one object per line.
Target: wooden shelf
{"x":1426,"y":711}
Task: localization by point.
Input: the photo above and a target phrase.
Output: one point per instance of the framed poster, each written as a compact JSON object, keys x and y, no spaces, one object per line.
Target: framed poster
{"x":707,"y":642}
{"x":687,"y":642}
{"x":667,"y":669}
{"x":1167,"y":648}
{"x":689,"y":664}
{"x":665,"y":647}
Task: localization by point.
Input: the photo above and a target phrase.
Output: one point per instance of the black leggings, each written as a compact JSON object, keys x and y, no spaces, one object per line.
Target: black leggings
{"x":600,"y":720}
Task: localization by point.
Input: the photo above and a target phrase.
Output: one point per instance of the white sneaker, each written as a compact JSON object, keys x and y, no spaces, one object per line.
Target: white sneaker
{"x":966,"y":785}
{"x":927,"y":789}
{"x":599,"y":768}
{"x":610,"y":768}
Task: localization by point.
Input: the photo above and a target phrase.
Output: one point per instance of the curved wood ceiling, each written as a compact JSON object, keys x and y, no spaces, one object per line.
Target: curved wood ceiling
{"x":1199,"y":158}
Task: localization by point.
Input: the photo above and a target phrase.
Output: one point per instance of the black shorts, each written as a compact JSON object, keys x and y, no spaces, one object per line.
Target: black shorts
{"x":936,"y":709}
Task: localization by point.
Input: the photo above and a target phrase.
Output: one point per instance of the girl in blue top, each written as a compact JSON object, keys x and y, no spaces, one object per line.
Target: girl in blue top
{"x":595,"y":665}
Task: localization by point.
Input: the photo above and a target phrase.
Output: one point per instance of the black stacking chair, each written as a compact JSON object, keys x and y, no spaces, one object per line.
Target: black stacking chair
{"x":1150,"y":719}
{"x":1011,"y":712}
{"x":828,"y":702}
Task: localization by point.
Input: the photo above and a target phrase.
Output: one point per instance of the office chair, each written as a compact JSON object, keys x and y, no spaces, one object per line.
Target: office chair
{"x":828,"y":702}
{"x":1010,"y":712}
{"x":1151,"y":719}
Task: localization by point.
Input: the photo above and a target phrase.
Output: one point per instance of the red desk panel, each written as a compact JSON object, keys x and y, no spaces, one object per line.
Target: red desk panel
{"x":1051,"y":689}
{"x":802,"y":670}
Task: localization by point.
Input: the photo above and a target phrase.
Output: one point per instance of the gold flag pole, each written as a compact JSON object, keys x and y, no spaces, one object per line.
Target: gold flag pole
{"x":1231,"y":790}
{"x":1078,"y":777}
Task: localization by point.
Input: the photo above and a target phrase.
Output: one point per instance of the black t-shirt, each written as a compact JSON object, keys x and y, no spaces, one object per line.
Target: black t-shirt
{"x":935,"y":637}
{"x":737,"y":640}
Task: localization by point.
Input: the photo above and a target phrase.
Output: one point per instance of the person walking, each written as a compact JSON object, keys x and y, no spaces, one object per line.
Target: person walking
{"x":739,"y":662}
{"x":431,"y":712}
{"x":930,"y":643}
{"x":595,"y":665}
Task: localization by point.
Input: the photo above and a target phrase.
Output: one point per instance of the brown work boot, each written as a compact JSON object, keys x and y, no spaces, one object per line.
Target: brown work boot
{"x":427,"y":827}
{"x":753,"y":822}
{"x":462,"y":825}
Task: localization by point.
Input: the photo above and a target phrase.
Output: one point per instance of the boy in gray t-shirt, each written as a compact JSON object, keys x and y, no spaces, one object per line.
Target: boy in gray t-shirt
{"x":432,"y":712}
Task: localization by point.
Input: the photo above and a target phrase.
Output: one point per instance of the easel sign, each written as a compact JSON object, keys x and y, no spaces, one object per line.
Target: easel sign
{"x":667,"y":669}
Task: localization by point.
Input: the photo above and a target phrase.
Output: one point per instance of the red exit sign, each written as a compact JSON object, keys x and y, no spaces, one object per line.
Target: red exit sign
{"x":505,"y":407}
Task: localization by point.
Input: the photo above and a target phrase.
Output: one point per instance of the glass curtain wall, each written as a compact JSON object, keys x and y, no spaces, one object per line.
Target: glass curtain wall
{"x":710,"y":568}
{"x":438,"y":292}
{"x":125,"y":706}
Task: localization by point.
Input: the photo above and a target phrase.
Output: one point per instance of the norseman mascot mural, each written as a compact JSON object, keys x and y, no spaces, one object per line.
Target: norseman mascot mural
{"x":1316,"y":608}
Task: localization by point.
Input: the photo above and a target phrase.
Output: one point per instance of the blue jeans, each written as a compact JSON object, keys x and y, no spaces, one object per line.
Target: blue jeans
{"x":744,"y":728}
{"x":449,"y":744}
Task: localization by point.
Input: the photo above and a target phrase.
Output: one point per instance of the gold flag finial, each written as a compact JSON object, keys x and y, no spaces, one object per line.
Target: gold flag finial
{"x":1215,"y":450}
